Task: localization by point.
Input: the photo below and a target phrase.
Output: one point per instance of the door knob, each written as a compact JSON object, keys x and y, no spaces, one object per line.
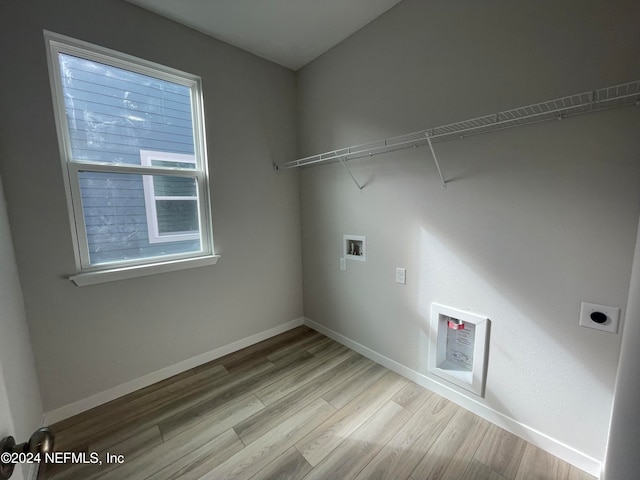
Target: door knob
{"x":41,"y":442}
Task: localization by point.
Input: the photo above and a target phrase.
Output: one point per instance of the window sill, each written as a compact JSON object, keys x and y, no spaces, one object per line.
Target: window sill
{"x":112,"y":275}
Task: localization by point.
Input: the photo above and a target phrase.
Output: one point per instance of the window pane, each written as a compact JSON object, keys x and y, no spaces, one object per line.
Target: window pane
{"x":177,"y":216}
{"x":118,"y":223}
{"x":165,"y":186}
{"x":114,"y":113}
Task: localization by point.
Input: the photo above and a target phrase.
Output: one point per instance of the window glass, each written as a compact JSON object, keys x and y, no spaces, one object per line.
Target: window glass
{"x":177,"y":216}
{"x":117,"y":217}
{"x":113,"y":113}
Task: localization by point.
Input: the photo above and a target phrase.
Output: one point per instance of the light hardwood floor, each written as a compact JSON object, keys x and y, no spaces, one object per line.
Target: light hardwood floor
{"x":295,"y":406}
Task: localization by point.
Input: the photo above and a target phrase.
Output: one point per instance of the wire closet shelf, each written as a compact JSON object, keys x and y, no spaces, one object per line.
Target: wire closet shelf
{"x":626,"y":94}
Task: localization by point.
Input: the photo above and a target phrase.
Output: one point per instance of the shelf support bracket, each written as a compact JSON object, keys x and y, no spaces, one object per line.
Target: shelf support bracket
{"x":344,"y":164}
{"x":435,"y":159}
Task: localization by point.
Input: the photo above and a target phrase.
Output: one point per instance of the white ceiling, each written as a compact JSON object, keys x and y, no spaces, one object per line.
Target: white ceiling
{"x":288,"y":32}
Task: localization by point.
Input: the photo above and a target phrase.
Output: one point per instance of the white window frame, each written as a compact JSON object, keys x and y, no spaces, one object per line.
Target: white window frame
{"x":87,"y":273}
{"x":146,"y":158}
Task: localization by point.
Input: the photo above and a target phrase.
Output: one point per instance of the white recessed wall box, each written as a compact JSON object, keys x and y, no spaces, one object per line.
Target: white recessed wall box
{"x":599,"y":317}
{"x":458,"y":347}
{"x":354,"y":247}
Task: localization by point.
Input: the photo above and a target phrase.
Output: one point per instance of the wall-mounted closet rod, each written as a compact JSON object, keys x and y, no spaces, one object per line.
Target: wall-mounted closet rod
{"x":626,"y":94}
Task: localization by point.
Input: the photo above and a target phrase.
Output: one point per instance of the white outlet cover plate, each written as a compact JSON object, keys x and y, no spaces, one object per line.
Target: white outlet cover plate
{"x":612,"y":313}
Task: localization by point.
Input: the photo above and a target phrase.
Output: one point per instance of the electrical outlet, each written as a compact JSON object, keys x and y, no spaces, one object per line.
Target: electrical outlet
{"x":343,"y":264}
{"x":599,"y":317}
{"x":401,"y":275}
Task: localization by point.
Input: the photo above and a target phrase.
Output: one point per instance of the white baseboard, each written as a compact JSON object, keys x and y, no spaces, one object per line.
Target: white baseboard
{"x":531,"y":435}
{"x":116,"y":392}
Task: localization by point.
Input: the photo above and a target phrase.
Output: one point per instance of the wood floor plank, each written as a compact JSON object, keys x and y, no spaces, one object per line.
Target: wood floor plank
{"x":227,"y":393}
{"x":277,"y":390}
{"x":501,"y":451}
{"x":122,"y":414}
{"x":260,"y":349}
{"x":129,"y":443}
{"x":357,"y":449}
{"x":264,"y":421}
{"x":288,"y":466}
{"x":319,"y":443}
{"x":577,"y":474}
{"x":217,"y":420}
{"x":536,"y":464}
{"x":136,"y":444}
{"x":451,"y":453}
{"x":412,"y":397}
{"x":111,"y":407}
{"x":303,"y":345}
{"x":401,"y":455}
{"x":479,"y":471}
{"x":163,"y":389}
{"x":132,"y":405}
{"x":161,"y":408}
{"x":326,"y":347}
{"x":265,"y":346}
{"x":257,"y":455}
{"x":343,"y":394}
{"x":201,"y":460}
{"x":169,"y":457}
{"x":182,"y":444}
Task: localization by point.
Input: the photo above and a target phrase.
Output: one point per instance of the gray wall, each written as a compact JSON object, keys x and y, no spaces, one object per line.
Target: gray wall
{"x":6,"y":422}
{"x":622,"y":460}
{"x":20,"y":405}
{"x":90,"y":339}
{"x":534,"y":221}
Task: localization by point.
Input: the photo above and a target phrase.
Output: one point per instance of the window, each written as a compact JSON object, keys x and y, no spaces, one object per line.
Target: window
{"x":131,"y":138}
{"x":171,"y":204}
